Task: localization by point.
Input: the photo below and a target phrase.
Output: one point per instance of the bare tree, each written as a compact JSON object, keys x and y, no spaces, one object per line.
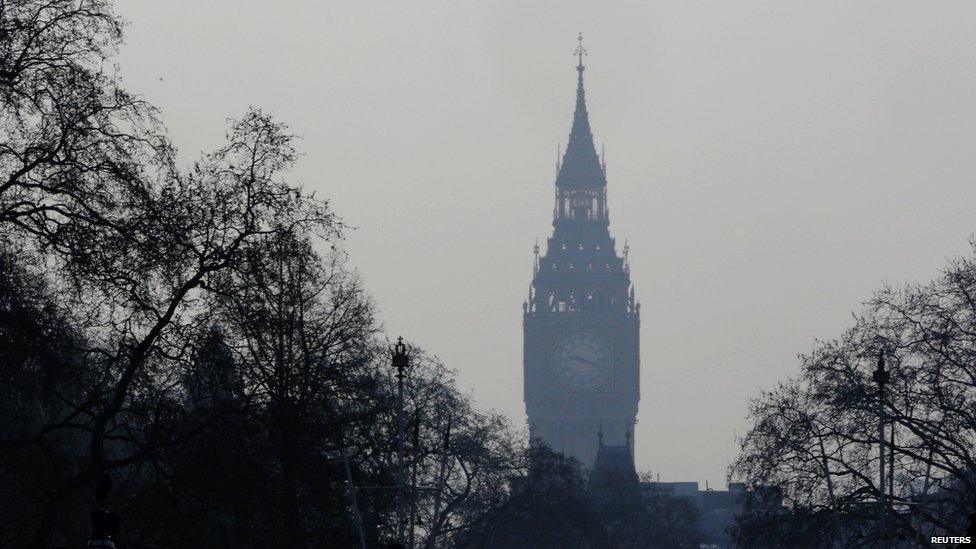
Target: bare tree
{"x":302,"y":331}
{"x":463,"y":456}
{"x":137,"y":283}
{"x":138,"y":259}
{"x":816,"y":435}
{"x":74,"y":145}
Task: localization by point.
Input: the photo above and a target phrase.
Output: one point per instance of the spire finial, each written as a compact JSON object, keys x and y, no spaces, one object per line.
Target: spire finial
{"x":580,"y":52}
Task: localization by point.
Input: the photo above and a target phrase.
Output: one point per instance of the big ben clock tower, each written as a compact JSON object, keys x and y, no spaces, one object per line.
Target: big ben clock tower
{"x":581,"y":341}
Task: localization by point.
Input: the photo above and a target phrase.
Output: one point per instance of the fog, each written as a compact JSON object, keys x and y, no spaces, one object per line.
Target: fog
{"x":770,"y":164}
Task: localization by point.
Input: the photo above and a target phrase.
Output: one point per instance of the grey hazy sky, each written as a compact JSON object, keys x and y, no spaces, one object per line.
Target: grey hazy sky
{"x":771,"y":163}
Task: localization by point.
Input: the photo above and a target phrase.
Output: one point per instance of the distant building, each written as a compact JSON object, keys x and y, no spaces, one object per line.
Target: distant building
{"x":613,"y":470}
{"x":717,"y":509}
{"x":581,"y":319}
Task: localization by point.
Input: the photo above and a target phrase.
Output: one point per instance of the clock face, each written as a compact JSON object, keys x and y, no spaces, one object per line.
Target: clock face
{"x":581,"y":361}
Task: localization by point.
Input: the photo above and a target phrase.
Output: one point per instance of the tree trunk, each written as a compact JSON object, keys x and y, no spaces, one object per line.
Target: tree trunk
{"x":294,"y":532}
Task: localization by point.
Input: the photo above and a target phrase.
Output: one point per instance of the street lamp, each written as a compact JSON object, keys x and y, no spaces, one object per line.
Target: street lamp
{"x":881,"y":377}
{"x":400,"y":355}
{"x":414,"y":519}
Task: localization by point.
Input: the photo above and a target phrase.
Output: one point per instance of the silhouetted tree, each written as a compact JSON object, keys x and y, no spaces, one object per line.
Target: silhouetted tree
{"x":815,"y":436}
{"x":75,"y":145}
{"x":302,"y":330}
{"x":547,"y":505}
{"x":177,"y":328}
{"x":463,"y":480}
{"x":42,"y":369}
{"x":88,"y":186}
{"x":208,"y":488}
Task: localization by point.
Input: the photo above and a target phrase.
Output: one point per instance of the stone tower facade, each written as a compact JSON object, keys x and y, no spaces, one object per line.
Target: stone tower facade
{"x":581,"y":320}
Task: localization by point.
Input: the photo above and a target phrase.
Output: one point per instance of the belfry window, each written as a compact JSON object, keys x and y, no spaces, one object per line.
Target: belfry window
{"x":573,"y":302}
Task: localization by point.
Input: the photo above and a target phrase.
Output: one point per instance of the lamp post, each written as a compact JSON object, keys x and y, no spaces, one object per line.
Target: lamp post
{"x":401,"y":362}
{"x":881,"y":377}
{"x":413,"y":475}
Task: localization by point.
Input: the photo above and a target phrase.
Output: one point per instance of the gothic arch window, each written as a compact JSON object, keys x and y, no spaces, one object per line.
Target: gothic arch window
{"x":561,"y":301}
{"x":573,"y":302}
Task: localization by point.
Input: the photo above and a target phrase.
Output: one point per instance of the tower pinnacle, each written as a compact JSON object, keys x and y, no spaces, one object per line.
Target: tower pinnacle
{"x":580,"y":168}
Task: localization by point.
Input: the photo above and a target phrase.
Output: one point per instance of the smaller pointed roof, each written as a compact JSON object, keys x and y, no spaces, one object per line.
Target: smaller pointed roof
{"x":580,"y":167}
{"x":613,"y":467}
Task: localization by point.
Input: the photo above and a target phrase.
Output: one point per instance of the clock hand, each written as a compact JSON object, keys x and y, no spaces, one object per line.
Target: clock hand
{"x":581,"y":359}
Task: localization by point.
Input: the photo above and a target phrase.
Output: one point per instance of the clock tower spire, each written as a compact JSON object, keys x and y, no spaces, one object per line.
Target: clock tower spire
{"x":580,"y":323}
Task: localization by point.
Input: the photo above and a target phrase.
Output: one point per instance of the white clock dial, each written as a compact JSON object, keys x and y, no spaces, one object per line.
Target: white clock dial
{"x":581,"y":361}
